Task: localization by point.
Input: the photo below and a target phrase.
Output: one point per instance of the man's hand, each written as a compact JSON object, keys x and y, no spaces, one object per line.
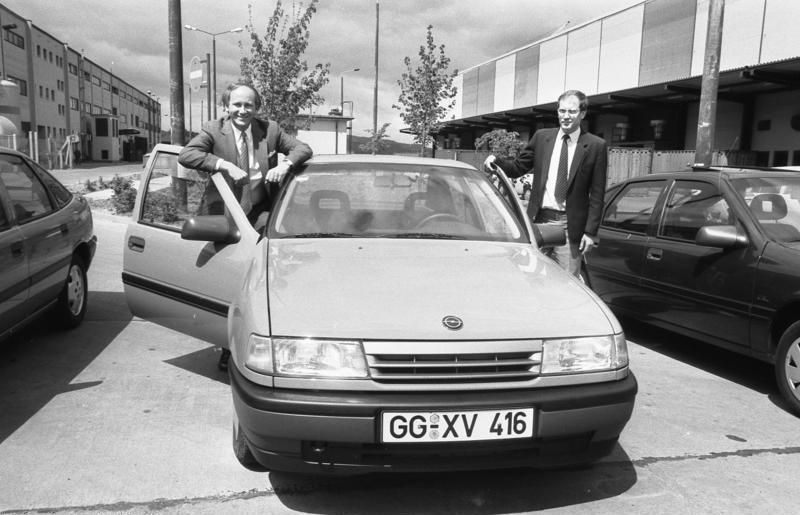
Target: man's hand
{"x":489,"y":164}
{"x":587,"y":243}
{"x":277,"y":173}
{"x":236,"y":173}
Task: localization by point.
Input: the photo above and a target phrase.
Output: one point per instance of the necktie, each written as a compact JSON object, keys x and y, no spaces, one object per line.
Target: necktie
{"x":561,"y":176}
{"x":243,"y":162}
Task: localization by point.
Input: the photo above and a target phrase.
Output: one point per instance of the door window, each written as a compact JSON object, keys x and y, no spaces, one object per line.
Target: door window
{"x":27,"y":194}
{"x":632,"y":209}
{"x":692,"y":205}
{"x":172,"y":193}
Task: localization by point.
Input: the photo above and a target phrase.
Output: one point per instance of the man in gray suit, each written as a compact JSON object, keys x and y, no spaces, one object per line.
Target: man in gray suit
{"x":244,"y":149}
{"x":569,"y":179}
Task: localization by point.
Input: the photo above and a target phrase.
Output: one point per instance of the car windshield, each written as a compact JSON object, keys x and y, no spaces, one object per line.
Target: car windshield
{"x":379,"y":200}
{"x":775,"y":203}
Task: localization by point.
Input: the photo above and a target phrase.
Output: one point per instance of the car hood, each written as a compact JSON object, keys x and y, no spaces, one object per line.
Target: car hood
{"x":403,"y":289}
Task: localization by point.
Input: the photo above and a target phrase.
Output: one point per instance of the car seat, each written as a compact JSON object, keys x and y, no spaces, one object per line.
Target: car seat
{"x":331,"y":210}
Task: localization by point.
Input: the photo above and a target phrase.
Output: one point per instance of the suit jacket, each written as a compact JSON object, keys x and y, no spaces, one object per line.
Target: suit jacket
{"x":217,"y":140}
{"x":587,"y":178}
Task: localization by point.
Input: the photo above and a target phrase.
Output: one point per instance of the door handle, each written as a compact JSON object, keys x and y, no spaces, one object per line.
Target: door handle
{"x":17,"y":249}
{"x":655,"y":254}
{"x":136,"y":244}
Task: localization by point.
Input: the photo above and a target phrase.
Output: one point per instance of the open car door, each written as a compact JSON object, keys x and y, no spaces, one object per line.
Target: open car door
{"x":178,"y":283}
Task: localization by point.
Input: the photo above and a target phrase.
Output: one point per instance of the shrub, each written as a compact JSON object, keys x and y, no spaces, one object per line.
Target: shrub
{"x":124,"y":196}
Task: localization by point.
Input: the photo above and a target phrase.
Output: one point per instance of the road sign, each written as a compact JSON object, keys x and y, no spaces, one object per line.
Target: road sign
{"x":195,"y":73}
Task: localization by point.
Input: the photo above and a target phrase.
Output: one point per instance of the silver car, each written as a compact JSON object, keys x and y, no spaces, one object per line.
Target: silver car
{"x":46,"y":246}
{"x":393,"y":314}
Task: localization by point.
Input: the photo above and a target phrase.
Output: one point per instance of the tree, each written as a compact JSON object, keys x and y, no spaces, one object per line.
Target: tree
{"x":500,"y":142}
{"x":378,"y":143}
{"x":275,"y":69}
{"x":427,"y":92}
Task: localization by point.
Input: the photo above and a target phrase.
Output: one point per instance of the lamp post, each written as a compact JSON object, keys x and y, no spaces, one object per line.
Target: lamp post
{"x":341,"y":101}
{"x":213,"y":56}
{"x":349,"y":125}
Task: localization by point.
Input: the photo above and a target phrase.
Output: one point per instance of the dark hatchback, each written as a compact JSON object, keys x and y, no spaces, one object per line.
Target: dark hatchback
{"x":713,"y":254}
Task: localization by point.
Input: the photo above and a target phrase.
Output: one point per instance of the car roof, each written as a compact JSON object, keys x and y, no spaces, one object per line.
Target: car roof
{"x":728,"y":172}
{"x":386,"y":159}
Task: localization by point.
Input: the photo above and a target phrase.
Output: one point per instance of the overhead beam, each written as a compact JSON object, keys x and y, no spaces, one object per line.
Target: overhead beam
{"x":784,"y":79}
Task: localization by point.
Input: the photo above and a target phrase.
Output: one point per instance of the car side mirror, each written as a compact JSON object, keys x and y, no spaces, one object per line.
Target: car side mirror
{"x":721,"y":236}
{"x":548,"y":235}
{"x":216,"y":228}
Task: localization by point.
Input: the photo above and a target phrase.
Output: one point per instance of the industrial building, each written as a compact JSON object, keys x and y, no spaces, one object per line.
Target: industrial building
{"x":56,"y":96}
{"x":642,"y":69}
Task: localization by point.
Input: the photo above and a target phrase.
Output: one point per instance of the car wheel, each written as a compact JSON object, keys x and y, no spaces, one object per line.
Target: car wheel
{"x":71,"y":307}
{"x":242,"y":450}
{"x":787,"y":367}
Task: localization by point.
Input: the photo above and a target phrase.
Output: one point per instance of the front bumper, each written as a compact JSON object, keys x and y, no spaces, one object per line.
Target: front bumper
{"x":338,"y":432}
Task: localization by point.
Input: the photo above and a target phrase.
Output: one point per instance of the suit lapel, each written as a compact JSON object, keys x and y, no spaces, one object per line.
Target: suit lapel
{"x":547,"y":155}
{"x":580,"y":153}
{"x":260,"y":144}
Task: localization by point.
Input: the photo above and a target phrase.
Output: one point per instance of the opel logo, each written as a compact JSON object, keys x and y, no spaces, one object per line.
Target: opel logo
{"x":453,"y":322}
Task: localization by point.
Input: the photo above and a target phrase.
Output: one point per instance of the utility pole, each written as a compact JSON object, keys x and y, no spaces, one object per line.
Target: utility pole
{"x":375,"y":95}
{"x":707,"y":115}
{"x":177,"y":125}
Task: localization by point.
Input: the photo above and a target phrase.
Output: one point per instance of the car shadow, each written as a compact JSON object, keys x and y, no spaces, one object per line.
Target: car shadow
{"x":751,"y":373}
{"x":204,"y":363}
{"x":484,"y":492}
{"x":41,"y":361}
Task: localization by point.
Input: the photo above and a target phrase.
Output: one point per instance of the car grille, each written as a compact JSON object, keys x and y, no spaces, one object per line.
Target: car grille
{"x":455,"y":367}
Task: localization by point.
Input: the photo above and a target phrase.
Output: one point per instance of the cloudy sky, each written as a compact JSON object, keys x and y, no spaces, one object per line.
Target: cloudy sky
{"x":133,"y":36}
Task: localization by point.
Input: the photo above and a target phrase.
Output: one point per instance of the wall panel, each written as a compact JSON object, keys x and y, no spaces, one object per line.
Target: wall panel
{"x":620,"y":50}
{"x":486,"y":88}
{"x":469,"y":104}
{"x":526,"y":80}
{"x":781,"y":36}
{"x":552,"y":68}
{"x":504,"y":83}
{"x":583,"y":58}
{"x":667,"y":41}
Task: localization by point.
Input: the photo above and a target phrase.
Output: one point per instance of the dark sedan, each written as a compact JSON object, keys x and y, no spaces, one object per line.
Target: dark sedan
{"x":46,"y":245}
{"x":713,"y":254}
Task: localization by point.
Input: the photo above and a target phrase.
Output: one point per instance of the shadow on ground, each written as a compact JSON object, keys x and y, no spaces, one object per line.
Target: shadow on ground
{"x":40,"y":362}
{"x":489,"y":492}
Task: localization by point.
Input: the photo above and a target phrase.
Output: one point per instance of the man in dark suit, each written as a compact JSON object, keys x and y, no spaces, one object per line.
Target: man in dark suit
{"x":569,"y":179}
{"x":244,"y":149}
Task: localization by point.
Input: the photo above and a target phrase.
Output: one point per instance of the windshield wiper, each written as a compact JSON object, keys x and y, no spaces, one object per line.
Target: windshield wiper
{"x":426,"y":235}
{"x":322,"y":235}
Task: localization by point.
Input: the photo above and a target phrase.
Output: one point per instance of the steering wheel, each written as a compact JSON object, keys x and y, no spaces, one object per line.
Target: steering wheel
{"x":437,"y":217}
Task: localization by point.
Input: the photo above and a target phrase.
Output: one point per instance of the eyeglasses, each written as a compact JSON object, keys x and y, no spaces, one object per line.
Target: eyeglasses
{"x":572,"y":112}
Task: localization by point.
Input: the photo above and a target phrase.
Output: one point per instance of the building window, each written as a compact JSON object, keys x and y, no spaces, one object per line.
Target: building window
{"x":53,"y":95}
{"x":74,"y":104}
{"x":41,"y":91}
{"x":115,"y":90}
{"x":51,"y":55}
{"x":38,"y":51}
{"x":23,"y":85}
{"x":73,"y":69}
{"x":106,"y":86}
{"x":87,"y":76}
{"x":15,"y":39}
{"x":96,"y":80}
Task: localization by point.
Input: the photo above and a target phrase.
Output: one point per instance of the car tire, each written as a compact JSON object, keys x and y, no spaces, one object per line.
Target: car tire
{"x":787,"y":367}
{"x":241,"y":449}
{"x":72,"y":300}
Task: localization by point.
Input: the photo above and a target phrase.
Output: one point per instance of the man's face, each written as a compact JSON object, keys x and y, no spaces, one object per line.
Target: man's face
{"x":241,"y":107}
{"x":570,"y":114}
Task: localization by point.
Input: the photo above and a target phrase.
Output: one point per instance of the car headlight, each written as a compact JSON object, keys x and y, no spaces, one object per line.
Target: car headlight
{"x":306,"y":357}
{"x":590,"y":354}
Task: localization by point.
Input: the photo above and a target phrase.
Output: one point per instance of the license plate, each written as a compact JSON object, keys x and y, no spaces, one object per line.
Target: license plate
{"x":456,"y":426}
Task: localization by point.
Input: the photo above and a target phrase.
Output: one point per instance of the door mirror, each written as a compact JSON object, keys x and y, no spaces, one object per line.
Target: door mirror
{"x":721,"y":236}
{"x":215,"y":228}
{"x":548,"y":235}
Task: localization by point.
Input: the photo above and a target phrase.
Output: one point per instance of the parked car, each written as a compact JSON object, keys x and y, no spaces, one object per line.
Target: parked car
{"x":392,"y":315}
{"x":46,"y":246}
{"x":712,"y":254}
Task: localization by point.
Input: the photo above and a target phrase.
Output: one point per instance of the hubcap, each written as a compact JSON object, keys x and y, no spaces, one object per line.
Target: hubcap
{"x":791,"y":368}
{"x":75,"y":290}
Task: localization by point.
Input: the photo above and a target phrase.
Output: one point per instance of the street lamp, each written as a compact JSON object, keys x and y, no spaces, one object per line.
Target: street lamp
{"x":341,"y":101}
{"x":214,"y":56}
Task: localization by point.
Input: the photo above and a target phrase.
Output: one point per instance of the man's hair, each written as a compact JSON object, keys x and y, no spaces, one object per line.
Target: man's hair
{"x":226,"y":95}
{"x":583,"y":102}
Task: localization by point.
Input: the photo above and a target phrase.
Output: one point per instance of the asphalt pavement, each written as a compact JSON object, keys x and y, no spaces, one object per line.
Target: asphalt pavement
{"x":121,"y":416}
